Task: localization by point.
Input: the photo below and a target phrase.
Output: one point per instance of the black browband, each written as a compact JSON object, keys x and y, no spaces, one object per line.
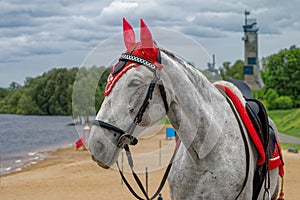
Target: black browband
{"x":126,"y":137}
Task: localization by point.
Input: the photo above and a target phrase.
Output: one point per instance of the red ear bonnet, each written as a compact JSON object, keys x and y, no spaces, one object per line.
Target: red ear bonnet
{"x":144,"y":49}
{"x":146,"y":39}
{"x":128,"y":34}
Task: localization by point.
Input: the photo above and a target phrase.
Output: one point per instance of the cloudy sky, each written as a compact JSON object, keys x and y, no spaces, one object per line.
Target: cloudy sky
{"x":38,"y":35}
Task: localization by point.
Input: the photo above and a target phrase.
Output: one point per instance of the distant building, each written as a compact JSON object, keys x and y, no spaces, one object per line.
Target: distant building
{"x":251,"y":71}
{"x":212,"y":72}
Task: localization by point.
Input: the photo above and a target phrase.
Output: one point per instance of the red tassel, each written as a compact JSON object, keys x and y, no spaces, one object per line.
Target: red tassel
{"x":281,"y":194}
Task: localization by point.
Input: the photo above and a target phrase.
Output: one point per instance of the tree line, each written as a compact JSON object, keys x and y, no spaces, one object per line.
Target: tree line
{"x":48,"y":94}
{"x":52,"y":92}
{"x":60,"y":91}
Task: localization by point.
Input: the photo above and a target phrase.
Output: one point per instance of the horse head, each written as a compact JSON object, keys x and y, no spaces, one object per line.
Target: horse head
{"x":133,"y":98}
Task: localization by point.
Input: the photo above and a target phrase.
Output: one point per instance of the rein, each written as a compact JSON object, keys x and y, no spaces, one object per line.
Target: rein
{"x":247,"y":151}
{"x":138,"y":181}
{"x":126,"y":138}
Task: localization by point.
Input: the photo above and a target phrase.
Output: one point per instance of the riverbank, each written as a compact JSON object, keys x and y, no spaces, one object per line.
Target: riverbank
{"x":24,"y":139}
{"x":71,"y":174}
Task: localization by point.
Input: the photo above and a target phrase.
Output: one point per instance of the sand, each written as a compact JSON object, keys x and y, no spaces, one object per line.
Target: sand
{"x":73,"y":175}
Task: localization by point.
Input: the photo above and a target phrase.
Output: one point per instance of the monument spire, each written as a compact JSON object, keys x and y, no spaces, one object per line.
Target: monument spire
{"x":251,"y":71}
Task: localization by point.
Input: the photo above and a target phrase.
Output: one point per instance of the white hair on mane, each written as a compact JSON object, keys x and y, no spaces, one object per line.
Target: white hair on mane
{"x":234,"y":89}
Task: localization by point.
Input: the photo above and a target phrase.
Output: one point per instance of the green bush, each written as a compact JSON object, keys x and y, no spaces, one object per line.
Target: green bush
{"x":283,"y":102}
{"x":259,"y":94}
{"x":271,"y":95}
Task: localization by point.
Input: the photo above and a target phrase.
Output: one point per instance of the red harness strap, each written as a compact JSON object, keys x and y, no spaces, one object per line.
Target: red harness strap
{"x":247,"y":122}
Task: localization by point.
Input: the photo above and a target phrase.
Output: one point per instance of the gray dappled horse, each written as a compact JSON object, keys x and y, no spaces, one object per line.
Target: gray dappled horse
{"x":211,"y":160}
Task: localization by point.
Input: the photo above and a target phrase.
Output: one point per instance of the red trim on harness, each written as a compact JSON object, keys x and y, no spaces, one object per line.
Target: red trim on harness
{"x":276,"y":160}
{"x":112,"y":79}
{"x":247,"y":122}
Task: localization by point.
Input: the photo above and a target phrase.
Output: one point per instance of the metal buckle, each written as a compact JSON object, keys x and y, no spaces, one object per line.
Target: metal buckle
{"x":127,"y":139}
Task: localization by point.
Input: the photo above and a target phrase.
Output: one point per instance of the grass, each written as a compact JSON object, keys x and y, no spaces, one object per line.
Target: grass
{"x":287,"y":121}
{"x":164,"y":120}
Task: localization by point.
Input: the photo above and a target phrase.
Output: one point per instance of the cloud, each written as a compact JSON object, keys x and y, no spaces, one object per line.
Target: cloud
{"x":117,"y":9}
{"x":41,"y":28}
{"x":170,"y":14}
{"x":211,"y":18}
{"x":53,"y":28}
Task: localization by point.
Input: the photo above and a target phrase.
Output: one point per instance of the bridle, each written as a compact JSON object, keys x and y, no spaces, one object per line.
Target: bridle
{"x":126,"y":138}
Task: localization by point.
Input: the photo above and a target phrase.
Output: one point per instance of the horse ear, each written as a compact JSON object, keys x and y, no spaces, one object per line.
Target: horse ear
{"x":128,"y":34}
{"x":146,"y":37}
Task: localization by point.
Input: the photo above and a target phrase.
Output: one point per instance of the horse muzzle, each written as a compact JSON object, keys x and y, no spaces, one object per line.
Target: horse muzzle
{"x":99,"y":163}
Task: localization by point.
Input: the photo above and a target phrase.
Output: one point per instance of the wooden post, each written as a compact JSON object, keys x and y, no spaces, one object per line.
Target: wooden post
{"x":146,"y":169}
{"x":159,"y":153}
{"x":85,"y":135}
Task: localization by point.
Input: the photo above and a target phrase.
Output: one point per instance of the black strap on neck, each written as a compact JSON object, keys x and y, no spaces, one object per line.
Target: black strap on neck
{"x":246,"y":147}
{"x":163,"y":96}
{"x":139,"y":115}
{"x":247,"y":151}
{"x":138,"y":181}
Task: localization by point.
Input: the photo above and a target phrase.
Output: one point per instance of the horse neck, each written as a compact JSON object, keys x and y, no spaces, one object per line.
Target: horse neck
{"x":196,"y":107}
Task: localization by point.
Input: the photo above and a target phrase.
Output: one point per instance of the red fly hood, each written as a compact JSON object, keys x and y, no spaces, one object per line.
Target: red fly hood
{"x":145,"y":49}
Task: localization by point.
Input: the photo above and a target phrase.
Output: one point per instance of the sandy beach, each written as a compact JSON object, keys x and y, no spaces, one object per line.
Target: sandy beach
{"x":71,"y":174}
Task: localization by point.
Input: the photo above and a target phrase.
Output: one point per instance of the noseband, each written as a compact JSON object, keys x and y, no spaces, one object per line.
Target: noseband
{"x":126,"y":137}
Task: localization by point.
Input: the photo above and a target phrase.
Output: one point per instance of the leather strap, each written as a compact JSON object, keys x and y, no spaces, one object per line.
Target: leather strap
{"x":108,"y":126}
{"x":138,"y":181}
{"x":164,"y":96}
{"x":244,"y":139}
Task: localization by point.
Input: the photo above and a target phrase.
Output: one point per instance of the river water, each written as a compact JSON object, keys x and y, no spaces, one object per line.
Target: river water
{"x":23,"y":139}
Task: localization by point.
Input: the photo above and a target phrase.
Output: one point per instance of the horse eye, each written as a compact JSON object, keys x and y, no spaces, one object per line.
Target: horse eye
{"x":135,"y":83}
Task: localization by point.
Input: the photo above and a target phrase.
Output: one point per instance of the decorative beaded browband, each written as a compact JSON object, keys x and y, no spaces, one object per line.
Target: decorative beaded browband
{"x":139,"y":60}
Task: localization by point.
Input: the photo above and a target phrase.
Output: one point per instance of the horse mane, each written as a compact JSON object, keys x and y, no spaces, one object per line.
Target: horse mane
{"x":198,"y":79}
{"x":173,"y":56}
{"x":195,"y":74}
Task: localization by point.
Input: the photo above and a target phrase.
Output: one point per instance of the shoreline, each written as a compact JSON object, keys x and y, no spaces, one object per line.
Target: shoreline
{"x":50,"y":155}
{"x":28,"y":158}
{"x":71,"y":174}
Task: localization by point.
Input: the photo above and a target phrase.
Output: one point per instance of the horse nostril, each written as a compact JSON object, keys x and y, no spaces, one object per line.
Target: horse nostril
{"x":101,"y":147}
